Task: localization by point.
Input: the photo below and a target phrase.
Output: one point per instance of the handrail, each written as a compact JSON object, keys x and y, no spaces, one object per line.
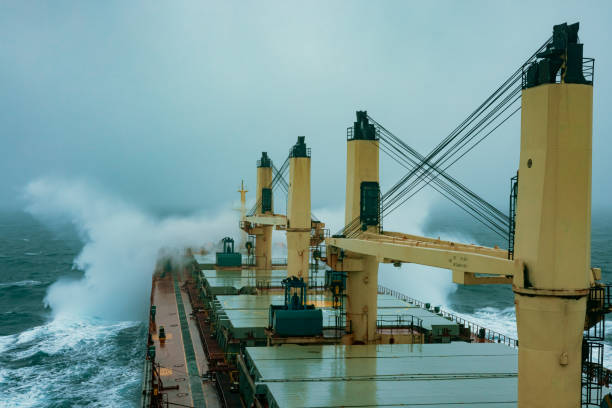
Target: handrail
{"x":248,"y":260}
{"x":397,"y":321}
{"x":279,"y":261}
{"x":480,"y":331}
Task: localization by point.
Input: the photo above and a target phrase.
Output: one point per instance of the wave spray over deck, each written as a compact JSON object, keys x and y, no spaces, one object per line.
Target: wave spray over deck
{"x":417,"y":281}
{"x":90,"y":352}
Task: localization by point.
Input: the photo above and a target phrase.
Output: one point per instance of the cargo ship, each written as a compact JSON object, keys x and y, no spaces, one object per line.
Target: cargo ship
{"x":240,"y":328}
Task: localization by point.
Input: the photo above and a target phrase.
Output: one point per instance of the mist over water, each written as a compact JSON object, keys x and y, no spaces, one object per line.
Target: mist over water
{"x":121,"y":246}
{"x":420,"y":282}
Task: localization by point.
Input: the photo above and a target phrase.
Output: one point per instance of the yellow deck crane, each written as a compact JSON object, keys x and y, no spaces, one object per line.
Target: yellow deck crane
{"x":550,"y":269}
{"x":303,"y":232}
{"x":261,"y":223}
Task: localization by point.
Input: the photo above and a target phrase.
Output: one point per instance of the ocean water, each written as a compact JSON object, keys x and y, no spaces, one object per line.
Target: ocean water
{"x":50,"y":359}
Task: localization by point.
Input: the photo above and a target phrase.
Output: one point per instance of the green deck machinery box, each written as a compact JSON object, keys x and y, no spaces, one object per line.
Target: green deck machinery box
{"x":228,"y":257}
{"x":307,"y":322}
{"x":295,"y":317}
{"x":225,"y":259}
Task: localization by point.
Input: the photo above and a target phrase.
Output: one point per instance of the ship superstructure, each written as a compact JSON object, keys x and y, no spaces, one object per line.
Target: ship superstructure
{"x":318,"y":330}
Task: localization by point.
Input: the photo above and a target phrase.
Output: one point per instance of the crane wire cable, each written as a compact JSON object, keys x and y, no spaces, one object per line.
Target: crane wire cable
{"x":279,"y":180}
{"x":501,"y":90}
{"x":451,"y":185}
{"x":455,"y":196}
{"x":278,"y":175}
{"x":395,"y":195}
{"x":388,"y":211}
{"x":435,"y":167}
{"x":414,"y":157}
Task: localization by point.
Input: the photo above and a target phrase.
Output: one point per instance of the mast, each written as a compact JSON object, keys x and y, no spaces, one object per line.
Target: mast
{"x":298,"y":211}
{"x":263,"y":239}
{"x":243,"y":234}
{"x":362,"y":201}
{"x":553,"y":223}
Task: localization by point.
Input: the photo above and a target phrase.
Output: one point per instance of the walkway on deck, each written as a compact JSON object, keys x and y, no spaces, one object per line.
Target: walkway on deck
{"x":180,"y":357}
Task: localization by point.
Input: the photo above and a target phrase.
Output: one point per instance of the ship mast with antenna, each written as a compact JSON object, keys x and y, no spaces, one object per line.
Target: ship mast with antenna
{"x":243,"y":234}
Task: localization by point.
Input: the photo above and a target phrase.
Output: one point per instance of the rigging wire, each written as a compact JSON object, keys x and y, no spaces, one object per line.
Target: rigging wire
{"x":461,"y":196}
{"x":278,"y":175}
{"x":395,"y":193}
{"x":414,"y":157}
{"x":278,"y":180}
{"x":426,"y":175}
{"x":463,"y":143}
{"x":456,"y":196}
{"x":508,"y":84}
{"x":505,"y":217}
{"x":452,"y":148}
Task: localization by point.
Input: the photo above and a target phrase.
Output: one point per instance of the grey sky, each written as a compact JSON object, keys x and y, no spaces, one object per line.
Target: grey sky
{"x":169,"y":104}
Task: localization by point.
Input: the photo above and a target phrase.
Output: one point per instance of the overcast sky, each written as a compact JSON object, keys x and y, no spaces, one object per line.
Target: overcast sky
{"x":169,"y":104}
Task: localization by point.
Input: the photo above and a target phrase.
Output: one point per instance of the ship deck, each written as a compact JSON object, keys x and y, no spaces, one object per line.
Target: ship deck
{"x":423,"y":375}
{"x":215,"y":351}
{"x":181,"y":358}
{"x":248,"y":314}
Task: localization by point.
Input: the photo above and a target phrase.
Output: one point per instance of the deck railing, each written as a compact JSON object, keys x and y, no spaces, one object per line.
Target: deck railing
{"x":479,"y":331}
{"x":391,"y":322}
{"x":279,"y":261}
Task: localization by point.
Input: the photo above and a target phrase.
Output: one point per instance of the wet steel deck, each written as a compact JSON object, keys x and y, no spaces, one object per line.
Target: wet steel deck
{"x":181,"y":358}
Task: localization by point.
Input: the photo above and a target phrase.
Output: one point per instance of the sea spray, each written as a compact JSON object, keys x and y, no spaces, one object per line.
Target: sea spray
{"x":426,"y":283}
{"x":421,"y":282}
{"x":121,"y":245}
{"x":90,"y":351}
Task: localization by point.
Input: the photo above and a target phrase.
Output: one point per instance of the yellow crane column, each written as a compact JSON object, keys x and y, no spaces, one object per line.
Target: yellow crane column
{"x":298,"y":211}
{"x":362,"y":285}
{"x":265,"y":205}
{"x":553,"y":241}
{"x":243,"y":234}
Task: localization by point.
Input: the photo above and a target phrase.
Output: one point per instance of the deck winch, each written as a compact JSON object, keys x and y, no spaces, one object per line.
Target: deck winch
{"x":335,"y":281}
{"x":228,"y":257}
{"x":295,"y":317}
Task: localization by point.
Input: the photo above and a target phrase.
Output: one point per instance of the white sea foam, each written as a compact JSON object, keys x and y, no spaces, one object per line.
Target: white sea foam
{"x":426,"y":283}
{"x":502,"y":321}
{"x":122,"y":244}
{"x":69,"y":363}
{"x":19,"y":283}
{"x":83,"y":357}
{"x":5,"y":342}
{"x":63,"y":335}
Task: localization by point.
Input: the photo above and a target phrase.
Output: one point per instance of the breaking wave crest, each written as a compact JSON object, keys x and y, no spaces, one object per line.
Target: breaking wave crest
{"x":71,"y":363}
{"x":502,"y":321}
{"x":90,"y":352}
{"x":121,"y":246}
{"x":20,"y":284}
